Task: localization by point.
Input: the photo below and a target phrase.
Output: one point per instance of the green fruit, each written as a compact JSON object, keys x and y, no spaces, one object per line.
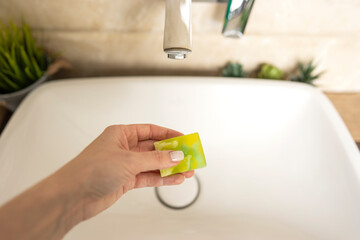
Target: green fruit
{"x":268,"y":71}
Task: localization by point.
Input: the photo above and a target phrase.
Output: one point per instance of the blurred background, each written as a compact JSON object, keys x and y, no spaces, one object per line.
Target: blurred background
{"x":124,"y":37}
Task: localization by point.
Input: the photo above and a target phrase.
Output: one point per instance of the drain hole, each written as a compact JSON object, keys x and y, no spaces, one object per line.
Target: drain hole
{"x":181,"y":196}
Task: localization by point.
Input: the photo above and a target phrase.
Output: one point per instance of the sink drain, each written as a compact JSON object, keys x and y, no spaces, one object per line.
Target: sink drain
{"x":181,"y":196}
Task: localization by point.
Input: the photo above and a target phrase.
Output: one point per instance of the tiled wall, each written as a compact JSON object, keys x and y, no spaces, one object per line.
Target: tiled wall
{"x":122,"y":37}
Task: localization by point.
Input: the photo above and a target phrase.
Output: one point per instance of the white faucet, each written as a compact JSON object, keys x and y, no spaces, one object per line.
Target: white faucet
{"x":178,"y":34}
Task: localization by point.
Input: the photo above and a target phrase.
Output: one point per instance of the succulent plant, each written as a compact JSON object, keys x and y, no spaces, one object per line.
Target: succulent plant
{"x":268,"y":71}
{"x":22,"y":62}
{"x":233,"y":70}
{"x":305,"y":73}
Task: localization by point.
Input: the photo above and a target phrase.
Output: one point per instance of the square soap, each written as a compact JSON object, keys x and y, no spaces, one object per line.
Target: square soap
{"x":190,"y":145}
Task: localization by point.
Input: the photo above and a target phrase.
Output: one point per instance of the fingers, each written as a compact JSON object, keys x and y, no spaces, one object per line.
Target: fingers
{"x":155,"y":160}
{"x":188,"y":174}
{"x":147,"y":145}
{"x":152,"y":179}
{"x":152,"y":132}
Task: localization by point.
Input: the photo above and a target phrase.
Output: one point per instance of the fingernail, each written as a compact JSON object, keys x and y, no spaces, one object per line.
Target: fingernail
{"x":176,"y":156}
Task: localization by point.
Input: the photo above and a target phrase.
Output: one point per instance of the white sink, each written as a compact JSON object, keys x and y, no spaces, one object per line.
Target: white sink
{"x":281,"y":163}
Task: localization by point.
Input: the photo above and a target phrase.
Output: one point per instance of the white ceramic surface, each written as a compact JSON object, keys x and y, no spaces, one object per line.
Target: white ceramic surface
{"x":281,"y":163}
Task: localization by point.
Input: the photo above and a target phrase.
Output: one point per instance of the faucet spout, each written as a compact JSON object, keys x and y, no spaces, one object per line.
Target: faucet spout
{"x":177,"y":34}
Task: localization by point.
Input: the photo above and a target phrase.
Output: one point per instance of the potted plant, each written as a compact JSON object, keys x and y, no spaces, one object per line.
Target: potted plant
{"x":304,"y":72}
{"x":23,"y":64}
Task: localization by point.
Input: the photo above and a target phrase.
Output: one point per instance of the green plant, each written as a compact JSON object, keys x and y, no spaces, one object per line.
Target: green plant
{"x":233,"y":70}
{"x":268,"y":71}
{"x":306,"y":73}
{"x":22,"y":62}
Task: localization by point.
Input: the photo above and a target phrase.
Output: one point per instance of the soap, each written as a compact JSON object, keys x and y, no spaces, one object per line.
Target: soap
{"x":190,"y":145}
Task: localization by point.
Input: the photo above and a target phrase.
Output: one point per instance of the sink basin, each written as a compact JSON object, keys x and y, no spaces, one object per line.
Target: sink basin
{"x":281,"y":163}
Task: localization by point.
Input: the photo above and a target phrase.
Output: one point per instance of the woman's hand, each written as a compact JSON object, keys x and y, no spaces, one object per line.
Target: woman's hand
{"x":120,"y":159}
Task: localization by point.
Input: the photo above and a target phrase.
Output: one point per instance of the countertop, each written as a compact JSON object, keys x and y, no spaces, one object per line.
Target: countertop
{"x":348,"y":106}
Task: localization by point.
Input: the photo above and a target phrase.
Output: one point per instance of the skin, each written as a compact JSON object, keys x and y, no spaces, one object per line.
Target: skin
{"x":122,"y":158}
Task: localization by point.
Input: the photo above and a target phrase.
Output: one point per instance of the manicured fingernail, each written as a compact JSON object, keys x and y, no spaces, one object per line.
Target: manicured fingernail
{"x":176,"y":156}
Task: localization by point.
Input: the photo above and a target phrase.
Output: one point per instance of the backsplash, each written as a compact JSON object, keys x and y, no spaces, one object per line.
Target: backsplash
{"x":124,"y":37}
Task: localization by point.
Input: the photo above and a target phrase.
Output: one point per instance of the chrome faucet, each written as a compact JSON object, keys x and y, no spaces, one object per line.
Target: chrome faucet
{"x":178,"y":35}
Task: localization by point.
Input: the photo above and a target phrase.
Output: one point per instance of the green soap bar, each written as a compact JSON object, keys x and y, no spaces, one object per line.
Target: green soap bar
{"x":190,"y":145}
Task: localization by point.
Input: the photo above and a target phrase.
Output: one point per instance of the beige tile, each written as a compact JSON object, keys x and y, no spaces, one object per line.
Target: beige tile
{"x":115,"y":15}
{"x":111,"y":15}
{"x":141,"y":54}
{"x":320,"y":17}
{"x":117,"y":37}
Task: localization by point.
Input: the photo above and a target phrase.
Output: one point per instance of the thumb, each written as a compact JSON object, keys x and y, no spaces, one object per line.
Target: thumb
{"x":155,"y":160}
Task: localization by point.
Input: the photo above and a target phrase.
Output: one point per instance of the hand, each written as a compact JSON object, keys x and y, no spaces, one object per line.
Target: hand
{"x":120,"y":159}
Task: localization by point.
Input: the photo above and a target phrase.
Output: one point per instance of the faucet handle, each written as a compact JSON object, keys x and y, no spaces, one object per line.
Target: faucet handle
{"x":236,"y":17}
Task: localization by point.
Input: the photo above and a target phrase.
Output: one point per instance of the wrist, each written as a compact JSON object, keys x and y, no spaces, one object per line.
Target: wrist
{"x":70,"y":183}
{"x":47,"y":210}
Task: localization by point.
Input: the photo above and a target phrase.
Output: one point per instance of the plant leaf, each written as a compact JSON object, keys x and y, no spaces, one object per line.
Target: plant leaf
{"x":29,"y":74}
{"x":28,"y":40}
{"x":26,"y":60}
{"x":21,"y":61}
{"x":3,"y":63}
{"x":40,"y":57}
{"x":306,"y":73}
{"x":38,"y":71}
{"x":13,"y":65}
{"x":9,"y":73}
{"x":6,"y":80}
